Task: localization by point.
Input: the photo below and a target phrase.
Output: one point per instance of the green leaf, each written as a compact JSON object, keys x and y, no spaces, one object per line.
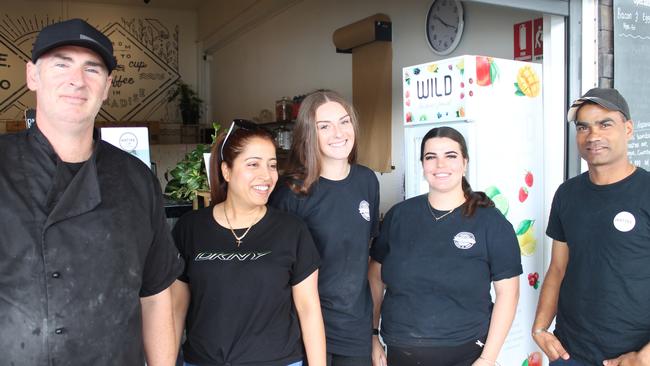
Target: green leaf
{"x":524,"y":225}
{"x":518,"y":90}
{"x":188,"y":175}
{"x":494,"y":72}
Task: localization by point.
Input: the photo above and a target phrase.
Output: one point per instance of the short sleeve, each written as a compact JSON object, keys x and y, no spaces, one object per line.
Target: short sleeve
{"x":504,"y":256}
{"x":179,"y":233}
{"x":163,"y":263}
{"x":307,"y":258}
{"x":381,"y":245}
{"x":554,"y":229}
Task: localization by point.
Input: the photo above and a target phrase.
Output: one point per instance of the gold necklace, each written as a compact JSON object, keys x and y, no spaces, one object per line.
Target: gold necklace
{"x":438,"y":218}
{"x":238,"y":239}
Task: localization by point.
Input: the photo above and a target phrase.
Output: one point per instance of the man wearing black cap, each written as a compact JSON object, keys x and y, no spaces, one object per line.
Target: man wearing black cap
{"x":86,"y":258}
{"x":598,"y":282}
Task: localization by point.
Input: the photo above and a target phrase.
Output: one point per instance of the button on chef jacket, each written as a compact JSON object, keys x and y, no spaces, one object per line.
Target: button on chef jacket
{"x":79,"y":245}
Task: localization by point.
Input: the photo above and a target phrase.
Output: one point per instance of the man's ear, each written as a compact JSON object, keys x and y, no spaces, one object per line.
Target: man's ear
{"x":109,"y":82}
{"x":31,"y":75}
{"x":629,"y":129}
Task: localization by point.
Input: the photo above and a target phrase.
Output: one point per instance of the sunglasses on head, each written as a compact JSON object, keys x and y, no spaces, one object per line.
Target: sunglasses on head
{"x":241,"y":124}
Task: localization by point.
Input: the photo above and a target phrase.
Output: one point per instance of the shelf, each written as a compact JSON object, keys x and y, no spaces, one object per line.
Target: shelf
{"x":273,"y":125}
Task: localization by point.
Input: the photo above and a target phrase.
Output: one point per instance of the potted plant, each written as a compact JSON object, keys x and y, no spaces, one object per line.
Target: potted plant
{"x":189,"y":175}
{"x":190,"y":104}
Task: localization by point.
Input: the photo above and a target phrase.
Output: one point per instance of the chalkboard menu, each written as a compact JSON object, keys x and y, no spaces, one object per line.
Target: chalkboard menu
{"x":631,"y":70}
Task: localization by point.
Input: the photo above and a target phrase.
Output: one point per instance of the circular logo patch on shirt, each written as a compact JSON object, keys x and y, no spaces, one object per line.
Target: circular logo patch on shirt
{"x":624,"y":221}
{"x":128,"y":141}
{"x":464,"y":240}
{"x":364,"y":210}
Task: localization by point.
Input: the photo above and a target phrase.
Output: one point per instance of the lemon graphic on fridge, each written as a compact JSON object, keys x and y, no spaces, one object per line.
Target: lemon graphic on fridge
{"x":526,"y":237}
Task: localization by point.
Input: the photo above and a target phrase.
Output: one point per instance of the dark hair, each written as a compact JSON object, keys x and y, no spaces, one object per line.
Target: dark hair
{"x":243,"y":131}
{"x":304,"y":165}
{"x":472,"y":199}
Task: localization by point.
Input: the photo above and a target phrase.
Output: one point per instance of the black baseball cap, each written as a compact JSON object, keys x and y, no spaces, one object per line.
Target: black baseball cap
{"x":74,"y":32}
{"x":608,"y":98}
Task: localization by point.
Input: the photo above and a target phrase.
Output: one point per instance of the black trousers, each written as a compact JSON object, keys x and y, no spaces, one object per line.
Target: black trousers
{"x":340,"y":360}
{"x":461,"y":355}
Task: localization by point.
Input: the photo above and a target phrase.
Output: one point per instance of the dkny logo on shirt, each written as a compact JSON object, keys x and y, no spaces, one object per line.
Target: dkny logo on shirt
{"x":223,"y":256}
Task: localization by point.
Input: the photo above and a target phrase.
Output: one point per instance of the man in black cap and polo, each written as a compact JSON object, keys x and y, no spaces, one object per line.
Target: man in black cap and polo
{"x":86,"y":258}
{"x":598,"y":281}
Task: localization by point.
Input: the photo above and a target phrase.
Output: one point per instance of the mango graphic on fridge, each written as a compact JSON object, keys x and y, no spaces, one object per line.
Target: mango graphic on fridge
{"x":527,"y":82}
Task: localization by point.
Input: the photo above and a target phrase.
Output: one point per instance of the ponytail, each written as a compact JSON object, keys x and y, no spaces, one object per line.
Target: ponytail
{"x":474,"y":199}
{"x":218,"y":184}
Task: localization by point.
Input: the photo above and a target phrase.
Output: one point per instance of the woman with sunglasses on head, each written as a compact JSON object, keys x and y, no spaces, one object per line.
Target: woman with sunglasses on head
{"x":339,"y":202}
{"x":436,"y":257}
{"x":250,"y":285}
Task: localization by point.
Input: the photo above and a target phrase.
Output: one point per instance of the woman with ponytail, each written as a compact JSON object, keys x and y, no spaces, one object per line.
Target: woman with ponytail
{"x":436,"y":257}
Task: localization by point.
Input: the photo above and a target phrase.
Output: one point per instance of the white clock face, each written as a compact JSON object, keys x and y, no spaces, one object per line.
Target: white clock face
{"x":444,"y":25}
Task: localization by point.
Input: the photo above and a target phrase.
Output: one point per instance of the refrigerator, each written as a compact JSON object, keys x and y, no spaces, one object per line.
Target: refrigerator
{"x":497,"y":105}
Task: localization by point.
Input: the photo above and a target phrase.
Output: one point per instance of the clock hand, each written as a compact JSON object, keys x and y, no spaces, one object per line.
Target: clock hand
{"x":443,"y":22}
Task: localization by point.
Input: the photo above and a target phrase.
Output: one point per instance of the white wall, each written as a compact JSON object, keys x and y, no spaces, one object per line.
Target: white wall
{"x":293,"y":53}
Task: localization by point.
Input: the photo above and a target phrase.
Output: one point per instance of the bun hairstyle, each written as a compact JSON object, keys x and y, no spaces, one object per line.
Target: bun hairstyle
{"x":304,"y":165}
{"x":472,"y":199}
{"x":236,"y":139}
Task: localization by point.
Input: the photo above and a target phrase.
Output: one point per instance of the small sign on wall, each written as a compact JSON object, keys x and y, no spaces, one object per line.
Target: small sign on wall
{"x":538,"y":39}
{"x":523,"y":41}
{"x":133,"y":140}
{"x":528,"y":40}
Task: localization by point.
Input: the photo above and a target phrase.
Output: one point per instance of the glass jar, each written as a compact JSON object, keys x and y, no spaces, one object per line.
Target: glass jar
{"x":283,"y":137}
{"x":283,"y":110}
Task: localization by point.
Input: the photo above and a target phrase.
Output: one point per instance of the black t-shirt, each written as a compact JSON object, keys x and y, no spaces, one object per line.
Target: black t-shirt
{"x":604,"y":304}
{"x":438,"y":273}
{"x":342,"y":216}
{"x":241,"y":309}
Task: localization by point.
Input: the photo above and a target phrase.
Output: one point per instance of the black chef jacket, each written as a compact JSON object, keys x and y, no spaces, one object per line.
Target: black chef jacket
{"x":75,"y":258}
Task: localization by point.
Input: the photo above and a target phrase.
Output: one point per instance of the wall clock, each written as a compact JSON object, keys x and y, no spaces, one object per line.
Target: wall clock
{"x":444,"y":25}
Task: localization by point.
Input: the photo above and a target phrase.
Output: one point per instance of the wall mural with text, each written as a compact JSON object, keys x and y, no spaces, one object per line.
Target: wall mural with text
{"x":147,"y":56}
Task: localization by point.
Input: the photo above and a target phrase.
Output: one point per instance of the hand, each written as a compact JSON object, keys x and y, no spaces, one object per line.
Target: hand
{"x":549,"y":343}
{"x":627,"y":359}
{"x":378,"y":353}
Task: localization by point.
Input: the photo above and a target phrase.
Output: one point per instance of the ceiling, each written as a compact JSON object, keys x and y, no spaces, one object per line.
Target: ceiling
{"x":171,"y":4}
{"x":219,"y":21}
